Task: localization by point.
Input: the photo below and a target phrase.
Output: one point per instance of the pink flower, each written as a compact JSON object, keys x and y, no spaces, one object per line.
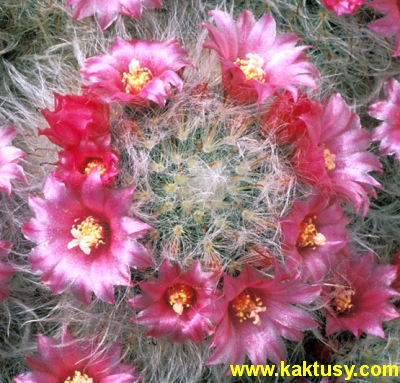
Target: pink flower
{"x":254,"y":61}
{"x":9,"y":156}
{"x":84,"y":238}
{"x":171,"y":305}
{"x":256,"y":313}
{"x":356,"y":297}
{"x":283,"y":118}
{"x":313,"y":233}
{"x":343,"y":7}
{"x":390,"y":24}
{"x":107,"y":11}
{"x":76,"y":163}
{"x":333,"y":154}
{"x":136,"y":71}
{"x":76,"y":118}
{"x":388,"y":111}
{"x":6,"y":270}
{"x":70,"y":361}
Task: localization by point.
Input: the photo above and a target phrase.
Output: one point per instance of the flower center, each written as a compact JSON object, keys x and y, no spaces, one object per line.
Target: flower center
{"x":247,"y":306}
{"x":89,"y":234}
{"x":329,"y":159}
{"x":342,"y":300}
{"x":93,"y":162}
{"x":252,"y":68}
{"x":309,"y":235}
{"x":137,"y":78}
{"x":180,"y":296}
{"x":79,"y":378}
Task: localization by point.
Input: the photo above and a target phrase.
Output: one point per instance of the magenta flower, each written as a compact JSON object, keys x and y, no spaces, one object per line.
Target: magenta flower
{"x":333,"y":154}
{"x":84,"y":238}
{"x":388,"y":111}
{"x":76,"y":163}
{"x":172,"y":304}
{"x":70,"y":361}
{"x":6,"y":270}
{"x":356,"y":297}
{"x":283,"y":118}
{"x":343,"y":7}
{"x":76,"y":118}
{"x":136,"y":71}
{"x":256,"y":313}
{"x":9,"y":156}
{"x":313,"y":233}
{"x":254,"y":61}
{"x":390,"y":24}
{"x":107,"y":11}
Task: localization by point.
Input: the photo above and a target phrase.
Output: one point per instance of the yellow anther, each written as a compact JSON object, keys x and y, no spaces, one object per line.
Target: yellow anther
{"x":309,"y":235}
{"x":79,"y":378}
{"x":137,"y":77}
{"x":248,"y":306}
{"x":342,"y":300}
{"x":94,"y":162}
{"x":252,"y":68}
{"x":180,"y":296}
{"x":329,"y":159}
{"x":89,"y":234}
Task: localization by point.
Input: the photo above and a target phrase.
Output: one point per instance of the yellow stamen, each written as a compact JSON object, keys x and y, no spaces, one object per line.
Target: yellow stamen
{"x":252,"y":68}
{"x":137,"y":78}
{"x":180,"y":296}
{"x":79,"y":378}
{"x":89,"y":234}
{"x":93,"y":162}
{"x":329,"y":159}
{"x":342,"y":300}
{"x":309,"y":235}
{"x":248,"y":306}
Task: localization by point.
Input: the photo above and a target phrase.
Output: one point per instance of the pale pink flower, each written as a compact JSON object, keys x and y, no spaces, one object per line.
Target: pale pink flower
{"x":388,"y":111}
{"x":254,"y":60}
{"x":85,"y":240}
{"x":76,"y":118}
{"x":333,"y":154}
{"x":171,"y":305}
{"x":70,"y":361}
{"x":357,"y":297}
{"x":9,"y":156}
{"x":313,"y":233}
{"x":256,"y":312}
{"x":136,"y":71}
{"x":6,"y":270}
{"x":108,"y":10}
{"x":390,"y":24}
{"x":343,"y":7}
